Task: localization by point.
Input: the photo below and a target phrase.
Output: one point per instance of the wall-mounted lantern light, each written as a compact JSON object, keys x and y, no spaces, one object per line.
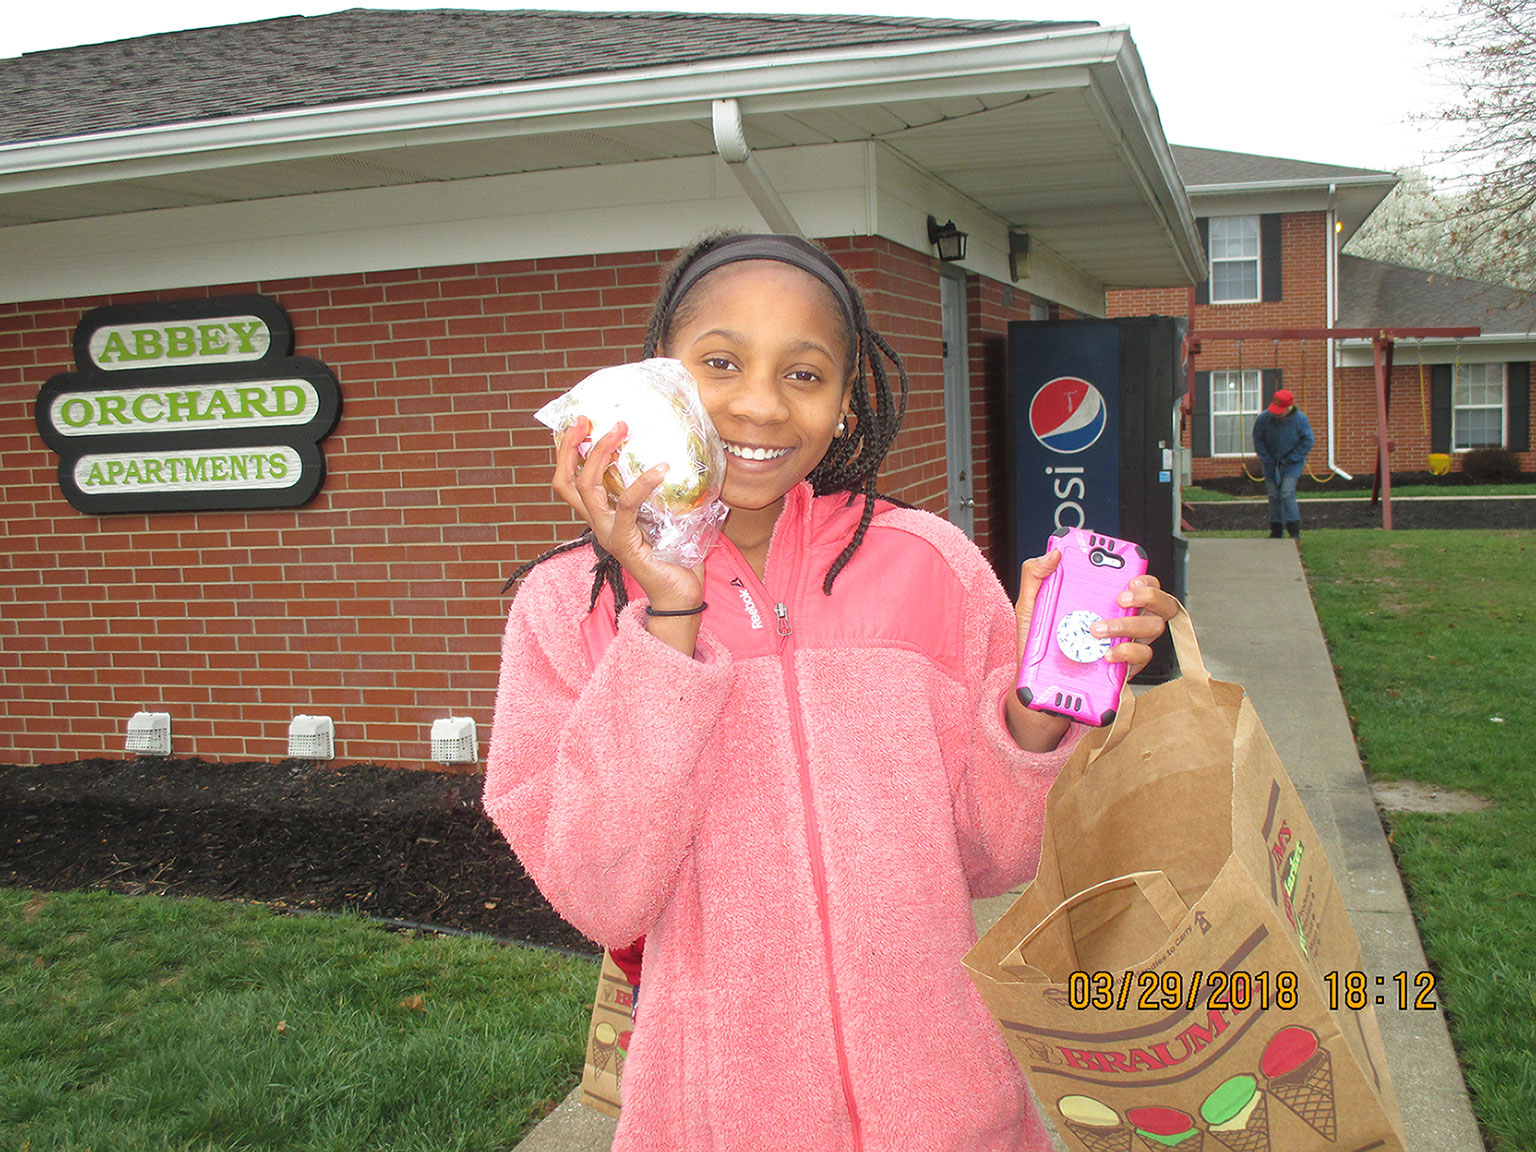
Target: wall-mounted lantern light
{"x":948,"y":239}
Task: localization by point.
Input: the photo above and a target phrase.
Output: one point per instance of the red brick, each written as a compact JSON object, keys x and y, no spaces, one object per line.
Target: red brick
{"x":381,"y":600}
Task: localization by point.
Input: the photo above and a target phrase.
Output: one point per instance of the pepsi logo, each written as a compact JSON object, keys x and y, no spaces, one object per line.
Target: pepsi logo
{"x":1068,"y":415}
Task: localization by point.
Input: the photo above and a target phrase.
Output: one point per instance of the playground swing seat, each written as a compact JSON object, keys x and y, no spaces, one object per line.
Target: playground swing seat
{"x":1439,"y":462}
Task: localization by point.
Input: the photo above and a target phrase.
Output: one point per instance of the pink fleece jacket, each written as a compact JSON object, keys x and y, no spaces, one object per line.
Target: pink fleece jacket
{"x":797,"y":819}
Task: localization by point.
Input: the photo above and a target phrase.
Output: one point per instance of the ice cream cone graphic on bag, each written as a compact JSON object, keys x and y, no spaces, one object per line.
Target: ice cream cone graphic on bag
{"x":1299,"y":1074}
{"x":1237,"y":1116}
{"x":1162,"y":1129}
{"x":1096,"y":1124}
{"x":621,"y":1054}
{"x":605,"y":1040}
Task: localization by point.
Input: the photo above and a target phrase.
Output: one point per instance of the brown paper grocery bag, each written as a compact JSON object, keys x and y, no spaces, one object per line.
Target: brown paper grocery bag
{"x":613,"y":1018}
{"x":1163,"y":981}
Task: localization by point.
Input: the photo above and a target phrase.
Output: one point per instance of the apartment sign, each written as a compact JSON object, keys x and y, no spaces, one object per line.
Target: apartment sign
{"x":189,"y":405}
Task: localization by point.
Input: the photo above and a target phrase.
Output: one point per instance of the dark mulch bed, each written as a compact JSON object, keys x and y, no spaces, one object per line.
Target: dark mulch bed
{"x":386,"y":842}
{"x":1358,"y":512}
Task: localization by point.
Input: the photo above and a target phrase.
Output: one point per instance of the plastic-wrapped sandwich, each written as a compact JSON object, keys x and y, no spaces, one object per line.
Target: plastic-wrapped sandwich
{"x":659,"y":401}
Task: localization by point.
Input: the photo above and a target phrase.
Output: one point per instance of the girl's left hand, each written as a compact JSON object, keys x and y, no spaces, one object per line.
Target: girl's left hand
{"x":1136,"y":633}
{"x":1041,"y":731}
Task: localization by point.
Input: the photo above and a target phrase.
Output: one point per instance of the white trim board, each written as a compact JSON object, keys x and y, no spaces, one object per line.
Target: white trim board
{"x":833,"y":190}
{"x":609,"y":208}
{"x":1492,"y":348}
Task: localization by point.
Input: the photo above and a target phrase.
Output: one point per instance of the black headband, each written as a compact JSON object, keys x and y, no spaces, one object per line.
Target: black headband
{"x":792,"y":250}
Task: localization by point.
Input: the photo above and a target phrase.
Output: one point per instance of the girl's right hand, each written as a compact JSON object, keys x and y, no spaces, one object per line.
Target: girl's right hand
{"x":615,"y":523}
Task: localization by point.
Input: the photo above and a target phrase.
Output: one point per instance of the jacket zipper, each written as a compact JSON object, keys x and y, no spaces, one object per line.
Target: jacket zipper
{"x":814,"y":847}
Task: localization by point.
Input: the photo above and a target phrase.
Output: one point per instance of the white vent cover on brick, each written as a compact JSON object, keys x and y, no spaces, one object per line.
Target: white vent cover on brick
{"x":453,"y":741}
{"x":311,"y":738}
{"x":149,"y":734}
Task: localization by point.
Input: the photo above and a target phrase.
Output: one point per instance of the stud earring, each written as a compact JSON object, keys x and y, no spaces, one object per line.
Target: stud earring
{"x":842,"y":425}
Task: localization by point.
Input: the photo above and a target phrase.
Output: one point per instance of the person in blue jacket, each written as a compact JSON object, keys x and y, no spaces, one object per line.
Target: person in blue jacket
{"x":1282,"y":437}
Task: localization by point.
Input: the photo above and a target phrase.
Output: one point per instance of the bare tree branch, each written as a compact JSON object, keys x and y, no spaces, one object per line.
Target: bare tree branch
{"x":1420,"y":226}
{"x":1481,"y":222}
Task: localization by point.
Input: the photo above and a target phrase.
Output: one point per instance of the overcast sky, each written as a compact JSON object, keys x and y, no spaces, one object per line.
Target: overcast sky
{"x":1336,"y":81}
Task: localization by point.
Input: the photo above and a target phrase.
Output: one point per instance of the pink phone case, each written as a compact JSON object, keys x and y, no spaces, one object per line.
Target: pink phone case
{"x":1064,"y":670}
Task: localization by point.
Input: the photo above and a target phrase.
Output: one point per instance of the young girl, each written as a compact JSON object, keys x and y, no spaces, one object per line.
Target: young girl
{"x":791,"y":768}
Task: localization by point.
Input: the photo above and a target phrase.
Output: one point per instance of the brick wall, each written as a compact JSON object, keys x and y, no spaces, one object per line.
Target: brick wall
{"x":1303,"y":304}
{"x":1408,"y":419}
{"x":379,"y":603}
{"x":1304,"y":364}
{"x":901,"y":294}
{"x":990,"y":306}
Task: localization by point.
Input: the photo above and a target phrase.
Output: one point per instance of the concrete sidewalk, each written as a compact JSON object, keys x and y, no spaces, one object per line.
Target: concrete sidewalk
{"x":1238,"y":590}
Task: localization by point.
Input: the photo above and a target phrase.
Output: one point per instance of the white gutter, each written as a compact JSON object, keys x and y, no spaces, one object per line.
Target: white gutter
{"x":918,"y":70}
{"x":1330,"y":313}
{"x":1333,"y":184}
{"x":731,"y":143}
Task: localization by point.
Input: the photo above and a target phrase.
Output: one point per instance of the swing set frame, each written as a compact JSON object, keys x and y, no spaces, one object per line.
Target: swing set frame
{"x":1383,"y":341}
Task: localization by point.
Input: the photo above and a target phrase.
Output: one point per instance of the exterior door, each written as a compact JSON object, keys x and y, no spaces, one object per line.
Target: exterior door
{"x":957,"y":401}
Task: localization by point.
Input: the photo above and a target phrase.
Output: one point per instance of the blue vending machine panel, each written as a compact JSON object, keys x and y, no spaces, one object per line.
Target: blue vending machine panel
{"x":1064,"y":430}
{"x":1091,"y":439}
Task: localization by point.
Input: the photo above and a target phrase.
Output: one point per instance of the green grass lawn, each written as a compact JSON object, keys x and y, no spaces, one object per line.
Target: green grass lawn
{"x":139,"y":1023}
{"x":1194,"y":494}
{"x":1432,"y":637}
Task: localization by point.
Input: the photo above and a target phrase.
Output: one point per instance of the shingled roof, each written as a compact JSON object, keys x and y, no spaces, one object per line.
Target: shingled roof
{"x":1373,"y":293}
{"x":359,"y":55}
{"x":1211,"y":168}
{"x":1043,"y":127}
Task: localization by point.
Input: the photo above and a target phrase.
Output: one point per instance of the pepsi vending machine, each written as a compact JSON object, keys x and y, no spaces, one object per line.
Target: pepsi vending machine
{"x":1092,"y":441}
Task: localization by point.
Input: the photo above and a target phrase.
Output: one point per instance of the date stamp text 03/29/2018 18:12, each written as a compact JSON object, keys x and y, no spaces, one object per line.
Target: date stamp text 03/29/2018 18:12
{"x":1239,"y":991}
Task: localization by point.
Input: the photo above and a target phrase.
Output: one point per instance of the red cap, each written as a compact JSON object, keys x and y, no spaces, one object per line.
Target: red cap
{"x":1282,"y":402}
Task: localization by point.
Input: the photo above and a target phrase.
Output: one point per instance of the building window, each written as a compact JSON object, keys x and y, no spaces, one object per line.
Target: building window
{"x":1234,"y":259}
{"x":1235,"y":405}
{"x":1477,"y":406}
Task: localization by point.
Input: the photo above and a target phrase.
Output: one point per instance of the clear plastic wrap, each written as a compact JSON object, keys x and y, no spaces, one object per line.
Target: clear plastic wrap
{"x":659,"y":400}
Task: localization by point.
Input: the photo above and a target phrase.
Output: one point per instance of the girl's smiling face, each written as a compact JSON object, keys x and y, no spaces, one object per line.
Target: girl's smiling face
{"x":769,"y":346}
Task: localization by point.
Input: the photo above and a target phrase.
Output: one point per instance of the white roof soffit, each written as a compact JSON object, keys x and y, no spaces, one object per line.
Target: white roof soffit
{"x":1085,"y":171}
{"x":1354,"y":197}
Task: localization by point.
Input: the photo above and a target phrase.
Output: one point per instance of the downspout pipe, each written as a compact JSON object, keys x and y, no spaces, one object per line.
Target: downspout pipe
{"x":731,"y":144}
{"x":1330,"y":304}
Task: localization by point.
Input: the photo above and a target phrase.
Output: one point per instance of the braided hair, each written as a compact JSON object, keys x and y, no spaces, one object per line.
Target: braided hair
{"x":851,"y":462}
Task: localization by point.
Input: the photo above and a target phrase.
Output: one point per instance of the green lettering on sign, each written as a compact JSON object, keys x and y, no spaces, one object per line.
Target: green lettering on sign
{"x":248,"y":404}
{"x":211,"y":469}
{"x":188,"y":405}
{"x":113,"y":348}
{"x":219,"y":340}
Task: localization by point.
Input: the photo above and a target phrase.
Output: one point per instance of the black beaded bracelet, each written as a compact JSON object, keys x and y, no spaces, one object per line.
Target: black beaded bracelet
{"x":649,"y":611}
